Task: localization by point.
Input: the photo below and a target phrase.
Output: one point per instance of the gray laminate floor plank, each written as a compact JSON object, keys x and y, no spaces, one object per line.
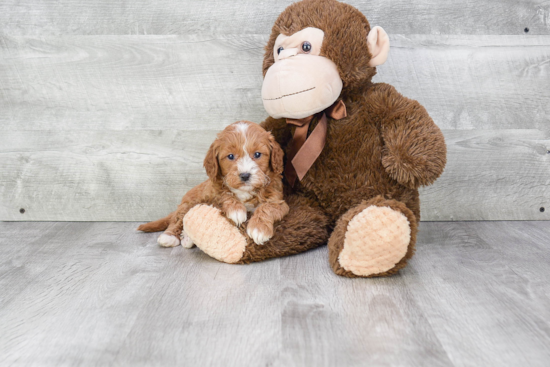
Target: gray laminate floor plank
{"x":482,"y":311}
{"x":28,"y":250}
{"x":76,"y":306}
{"x":101,"y":294}
{"x":205,"y":313}
{"x":334,"y":321}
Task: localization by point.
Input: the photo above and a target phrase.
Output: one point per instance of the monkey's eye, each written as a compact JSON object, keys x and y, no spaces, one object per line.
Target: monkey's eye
{"x":257,"y":155}
{"x":230,"y":157}
{"x":306,"y":46}
{"x":279,"y":50}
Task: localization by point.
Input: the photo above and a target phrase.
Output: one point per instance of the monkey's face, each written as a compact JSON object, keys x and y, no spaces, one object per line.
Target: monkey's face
{"x":318,"y":51}
{"x":301,"y":82}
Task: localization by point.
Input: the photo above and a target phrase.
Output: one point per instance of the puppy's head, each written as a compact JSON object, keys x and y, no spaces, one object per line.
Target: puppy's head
{"x":244,"y":157}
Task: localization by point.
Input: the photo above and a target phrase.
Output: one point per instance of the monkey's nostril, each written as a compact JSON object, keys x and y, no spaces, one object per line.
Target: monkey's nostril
{"x":244,"y":176}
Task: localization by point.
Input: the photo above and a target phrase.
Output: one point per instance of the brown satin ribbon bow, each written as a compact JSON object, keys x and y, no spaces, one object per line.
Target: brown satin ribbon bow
{"x":304,"y":150}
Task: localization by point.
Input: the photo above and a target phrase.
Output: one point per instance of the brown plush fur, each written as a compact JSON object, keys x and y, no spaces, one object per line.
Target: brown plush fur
{"x":265,"y":186}
{"x":303,"y":228}
{"x":379,"y":154}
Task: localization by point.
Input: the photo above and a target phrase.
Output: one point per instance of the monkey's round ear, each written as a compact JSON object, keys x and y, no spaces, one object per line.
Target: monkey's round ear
{"x":378,"y":43}
{"x":211,"y":161}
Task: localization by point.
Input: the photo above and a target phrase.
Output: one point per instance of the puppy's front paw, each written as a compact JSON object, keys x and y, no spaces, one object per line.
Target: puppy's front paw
{"x":259,"y":232}
{"x":237,"y":216}
{"x":186,"y":241}
{"x":167,"y":240}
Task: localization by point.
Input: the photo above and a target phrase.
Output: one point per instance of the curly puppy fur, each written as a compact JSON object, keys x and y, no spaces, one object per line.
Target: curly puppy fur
{"x":379,"y":154}
{"x":244,"y":165}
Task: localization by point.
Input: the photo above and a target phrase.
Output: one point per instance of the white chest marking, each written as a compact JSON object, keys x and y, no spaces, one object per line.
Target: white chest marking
{"x":242,"y":195}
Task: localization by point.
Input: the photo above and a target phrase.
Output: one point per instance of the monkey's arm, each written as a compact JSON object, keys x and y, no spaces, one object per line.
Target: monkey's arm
{"x":414,"y":152}
{"x":279,"y":129}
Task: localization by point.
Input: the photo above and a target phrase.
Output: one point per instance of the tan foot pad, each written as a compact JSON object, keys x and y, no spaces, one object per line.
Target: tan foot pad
{"x":213,"y":234}
{"x":376,"y":239}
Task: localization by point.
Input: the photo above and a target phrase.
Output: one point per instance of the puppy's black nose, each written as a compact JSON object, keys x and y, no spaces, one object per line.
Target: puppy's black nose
{"x":244,"y":176}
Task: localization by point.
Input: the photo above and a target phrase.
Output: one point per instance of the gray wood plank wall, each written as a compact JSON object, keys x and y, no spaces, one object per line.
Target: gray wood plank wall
{"x":106,"y":109}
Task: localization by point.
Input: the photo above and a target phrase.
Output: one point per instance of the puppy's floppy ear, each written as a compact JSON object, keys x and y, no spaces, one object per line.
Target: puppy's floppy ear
{"x":276,"y":156}
{"x":211,"y":161}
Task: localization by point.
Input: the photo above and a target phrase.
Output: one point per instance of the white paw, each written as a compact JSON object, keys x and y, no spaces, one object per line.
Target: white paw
{"x":237,"y":216}
{"x":258,"y":236}
{"x":186,"y":241}
{"x":167,"y":240}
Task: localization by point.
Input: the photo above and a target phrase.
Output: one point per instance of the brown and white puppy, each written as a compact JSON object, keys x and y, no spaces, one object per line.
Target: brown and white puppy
{"x":244,"y":165}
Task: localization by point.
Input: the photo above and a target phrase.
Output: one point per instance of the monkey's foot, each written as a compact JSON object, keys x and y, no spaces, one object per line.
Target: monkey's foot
{"x":376,"y":240}
{"x":207,"y":228}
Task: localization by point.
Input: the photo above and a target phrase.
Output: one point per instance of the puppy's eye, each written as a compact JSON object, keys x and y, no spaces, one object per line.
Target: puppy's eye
{"x":257,"y":155}
{"x":306,"y":46}
{"x":230,"y":157}
{"x":279,"y":50}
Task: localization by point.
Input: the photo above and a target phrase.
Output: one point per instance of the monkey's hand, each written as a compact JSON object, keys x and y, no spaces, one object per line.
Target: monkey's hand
{"x":414,"y":153}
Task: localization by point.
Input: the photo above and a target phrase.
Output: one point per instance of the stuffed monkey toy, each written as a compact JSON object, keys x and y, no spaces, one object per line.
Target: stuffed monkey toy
{"x":356,"y":152}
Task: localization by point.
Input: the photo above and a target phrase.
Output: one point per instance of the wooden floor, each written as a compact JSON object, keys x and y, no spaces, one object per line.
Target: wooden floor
{"x":101,"y":294}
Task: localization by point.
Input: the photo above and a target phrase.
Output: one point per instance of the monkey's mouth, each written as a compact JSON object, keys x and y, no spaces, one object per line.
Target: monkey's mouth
{"x":286,"y":95}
